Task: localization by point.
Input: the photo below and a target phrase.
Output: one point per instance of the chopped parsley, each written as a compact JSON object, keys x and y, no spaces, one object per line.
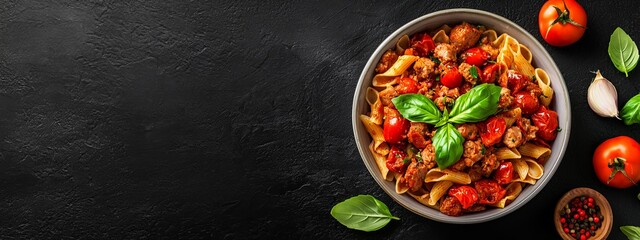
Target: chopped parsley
{"x":474,"y":72}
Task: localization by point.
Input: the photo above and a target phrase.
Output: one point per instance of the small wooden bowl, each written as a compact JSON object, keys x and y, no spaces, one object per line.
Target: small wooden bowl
{"x":605,"y":210}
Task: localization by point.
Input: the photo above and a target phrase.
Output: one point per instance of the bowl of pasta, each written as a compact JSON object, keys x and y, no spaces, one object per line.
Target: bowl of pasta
{"x":461,"y":116}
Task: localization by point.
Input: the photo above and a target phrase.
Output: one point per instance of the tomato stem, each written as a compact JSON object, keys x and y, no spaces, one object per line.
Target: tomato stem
{"x":617,"y":165}
{"x":563,"y":18}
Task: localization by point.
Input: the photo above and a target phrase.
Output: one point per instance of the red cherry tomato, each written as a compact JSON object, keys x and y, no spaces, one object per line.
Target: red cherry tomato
{"x":616,"y":162}
{"x":527,"y":102}
{"x":504,"y":173}
{"x":466,"y":195}
{"x":516,"y":80}
{"x":491,"y":130}
{"x":451,"y":78}
{"x":395,"y":160}
{"x":475,"y":56}
{"x":565,"y":28}
{"x":407,"y":85}
{"x":547,"y":122}
{"x":489,"y":191}
{"x":490,"y":73}
{"x":422,"y":44}
{"x":395,"y":127}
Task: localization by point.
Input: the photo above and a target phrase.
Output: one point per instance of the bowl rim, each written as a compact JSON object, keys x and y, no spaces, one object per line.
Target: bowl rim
{"x":485,"y":215}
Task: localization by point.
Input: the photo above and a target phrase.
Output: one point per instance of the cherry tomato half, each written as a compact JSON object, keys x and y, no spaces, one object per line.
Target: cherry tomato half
{"x":451,"y":78}
{"x":490,"y":73}
{"x":516,"y":80}
{"x":491,"y":130}
{"x":504,"y":173}
{"x":407,"y":85}
{"x":395,"y":160}
{"x":475,"y":56}
{"x":527,"y":102}
{"x":547,"y":122}
{"x":423,"y":44}
{"x":489,"y":191}
{"x":466,"y":195}
{"x":395,"y":127}
{"x":565,"y":28}
{"x":616,"y":162}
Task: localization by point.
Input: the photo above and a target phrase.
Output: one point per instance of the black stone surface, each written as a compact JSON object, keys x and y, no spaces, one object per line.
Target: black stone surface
{"x":232,"y":119}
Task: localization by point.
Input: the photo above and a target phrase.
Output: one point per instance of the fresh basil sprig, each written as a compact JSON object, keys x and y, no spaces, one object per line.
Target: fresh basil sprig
{"x":448,"y":145}
{"x":474,"y":106}
{"x":630,"y":112}
{"x":417,"y":108}
{"x":362,"y":212}
{"x":632,"y":232}
{"x":623,"y":51}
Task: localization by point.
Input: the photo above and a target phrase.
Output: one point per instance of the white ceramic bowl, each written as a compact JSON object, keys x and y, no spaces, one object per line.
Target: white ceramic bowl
{"x":541,"y":59}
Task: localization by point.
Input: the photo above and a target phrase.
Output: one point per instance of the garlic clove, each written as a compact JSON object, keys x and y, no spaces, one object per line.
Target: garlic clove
{"x":603,"y":97}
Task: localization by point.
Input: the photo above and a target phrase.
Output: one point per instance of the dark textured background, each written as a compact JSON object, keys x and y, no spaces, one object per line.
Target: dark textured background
{"x":232,"y":119}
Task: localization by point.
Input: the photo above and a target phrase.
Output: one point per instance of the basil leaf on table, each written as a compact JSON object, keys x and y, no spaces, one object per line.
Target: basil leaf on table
{"x":632,"y":232}
{"x":630,"y":112}
{"x":448,"y":145}
{"x":476,"y":105}
{"x":362,"y":212}
{"x":417,"y":108}
{"x":623,"y":51}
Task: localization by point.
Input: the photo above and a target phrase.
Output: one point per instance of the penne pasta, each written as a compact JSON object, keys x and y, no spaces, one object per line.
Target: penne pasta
{"x":438,"y":190}
{"x":513,"y":190}
{"x":507,"y":153}
{"x":521,"y":167}
{"x":535,"y":169}
{"x":381,"y":162}
{"x":441,"y":37}
{"x":375,"y":131}
{"x":437,"y":175}
{"x":402,"y":44}
{"x":389,"y":77}
{"x":423,"y":198}
{"x":527,"y":180}
{"x":401,"y":185}
{"x":377,"y":110}
{"x":540,"y":153}
{"x":544,"y":83}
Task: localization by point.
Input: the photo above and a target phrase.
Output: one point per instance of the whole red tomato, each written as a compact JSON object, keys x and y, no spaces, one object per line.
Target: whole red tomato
{"x":616,"y":162}
{"x":451,"y":78}
{"x":562,"y":22}
{"x":547,"y":122}
{"x":395,"y":128}
{"x":527,"y":102}
{"x":491,"y":130}
{"x":466,"y":195}
{"x":504,"y":173}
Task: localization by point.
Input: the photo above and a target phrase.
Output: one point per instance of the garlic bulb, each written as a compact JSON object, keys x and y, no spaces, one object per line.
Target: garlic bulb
{"x":603,"y":97}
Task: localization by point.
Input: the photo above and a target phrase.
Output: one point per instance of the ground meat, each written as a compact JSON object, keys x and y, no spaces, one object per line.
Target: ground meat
{"x":464,"y":36}
{"x":468,"y":131}
{"x":489,"y":163}
{"x":386,"y":95}
{"x":388,"y":59}
{"x":416,"y":134}
{"x":490,"y":49}
{"x":475,"y":173}
{"x":450,"y":206}
{"x":465,"y":69}
{"x":534,"y":88}
{"x":445,"y":53}
{"x":429,"y":156}
{"x":424,"y":68}
{"x":529,"y":130}
{"x":414,"y":176}
{"x":505,"y":99}
{"x":472,"y":152}
{"x":513,"y":137}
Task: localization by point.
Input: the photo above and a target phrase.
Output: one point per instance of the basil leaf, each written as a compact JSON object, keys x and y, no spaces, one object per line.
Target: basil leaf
{"x":630,"y":113}
{"x":362,"y":212}
{"x":623,"y":51}
{"x":476,"y":105}
{"x":448,"y":145}
{"x":417,"y":108}
{"x":632,"y":232}
{"x":474,"y":72}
